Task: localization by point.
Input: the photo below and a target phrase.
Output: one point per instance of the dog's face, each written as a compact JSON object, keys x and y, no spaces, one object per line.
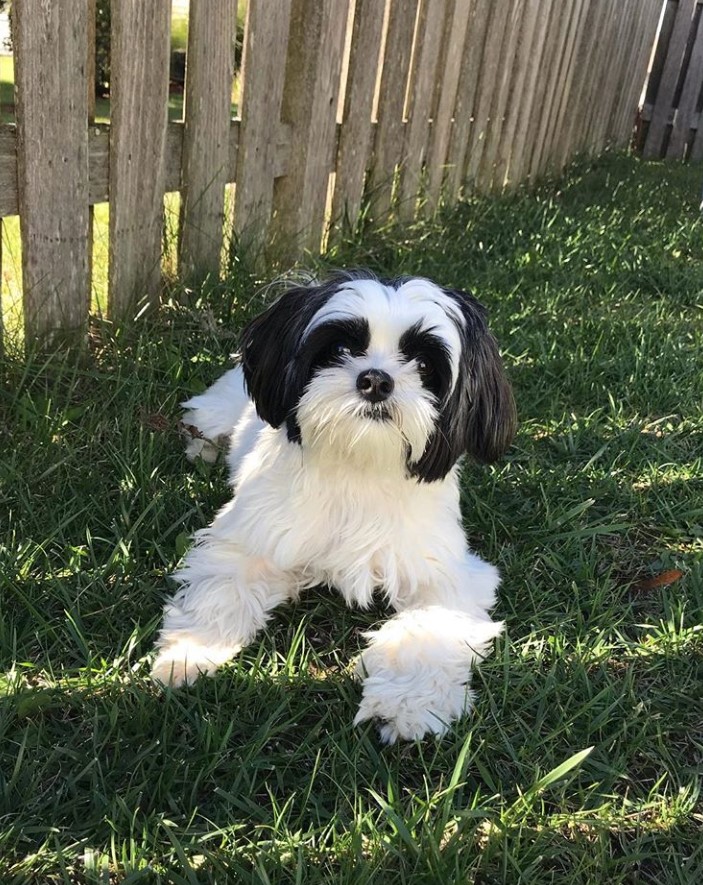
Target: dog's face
{"x":374,"y":370}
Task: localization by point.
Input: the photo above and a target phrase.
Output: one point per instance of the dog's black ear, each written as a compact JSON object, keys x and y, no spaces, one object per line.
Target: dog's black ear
{"x":268,"y":347}
{"x":479,"y":416}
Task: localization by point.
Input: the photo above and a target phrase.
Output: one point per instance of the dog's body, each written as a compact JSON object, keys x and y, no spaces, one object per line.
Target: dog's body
{"x":344,"y":464}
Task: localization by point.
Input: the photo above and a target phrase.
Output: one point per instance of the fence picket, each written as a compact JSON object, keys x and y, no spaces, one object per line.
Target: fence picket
{"x":52,"y":152}
{"x":625,"y":120}
{"x":208,"y":111}
{"x":356,"y":129}
{"x":669,"y":79}
{"x":562,"y":87}
{"x":388,"y":143}
{"x":688,"y":99}
{"x":440,"y":132}
{"x":265,"y":37}
{"x":423,"y":81}
{"x":519,"y":152}
{"x":526,"y":29}
{"x":486,"y":89}
{"x":309,"y":107}
{"x":466,"y":98}
{"x":138,"y":104}
{"x":501,"y":95}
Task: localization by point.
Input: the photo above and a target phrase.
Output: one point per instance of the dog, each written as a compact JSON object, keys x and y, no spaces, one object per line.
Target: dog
{"x":354,"y":400}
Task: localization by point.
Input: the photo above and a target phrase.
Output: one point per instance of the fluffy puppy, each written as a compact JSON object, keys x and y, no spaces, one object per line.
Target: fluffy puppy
{"x":353,"y":402}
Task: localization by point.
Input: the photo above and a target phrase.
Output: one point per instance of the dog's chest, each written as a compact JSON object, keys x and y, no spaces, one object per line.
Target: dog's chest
{"x":359,"y":535}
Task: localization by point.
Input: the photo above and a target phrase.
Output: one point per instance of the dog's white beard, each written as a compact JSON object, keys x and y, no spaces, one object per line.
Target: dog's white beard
{"x":337,"y":425}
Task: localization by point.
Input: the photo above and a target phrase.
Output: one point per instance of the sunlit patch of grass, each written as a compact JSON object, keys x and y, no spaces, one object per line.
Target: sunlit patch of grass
{"x":582,"y":760}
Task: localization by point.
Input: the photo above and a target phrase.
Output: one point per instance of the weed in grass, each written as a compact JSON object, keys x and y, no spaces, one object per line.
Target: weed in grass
{"x":582,"y":763}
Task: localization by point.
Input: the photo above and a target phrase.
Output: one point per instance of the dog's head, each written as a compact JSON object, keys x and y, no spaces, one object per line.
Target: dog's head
{"x":362,"y":368}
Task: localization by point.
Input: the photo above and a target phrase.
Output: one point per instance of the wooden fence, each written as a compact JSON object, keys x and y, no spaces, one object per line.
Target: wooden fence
{"x":671,"y":115}
{"x":396,"y":105}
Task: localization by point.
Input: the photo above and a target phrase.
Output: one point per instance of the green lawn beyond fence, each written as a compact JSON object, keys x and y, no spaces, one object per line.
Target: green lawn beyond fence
{"x":582,"y":763}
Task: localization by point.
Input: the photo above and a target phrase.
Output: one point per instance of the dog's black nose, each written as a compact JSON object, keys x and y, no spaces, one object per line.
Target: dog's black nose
{"x":375,"y":385}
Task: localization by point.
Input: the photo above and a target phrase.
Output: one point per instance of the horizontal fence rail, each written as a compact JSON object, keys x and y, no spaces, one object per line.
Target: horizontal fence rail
{"x":386,"y":108}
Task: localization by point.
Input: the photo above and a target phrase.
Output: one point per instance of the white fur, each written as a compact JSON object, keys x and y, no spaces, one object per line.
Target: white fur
{"x":339,"y":509}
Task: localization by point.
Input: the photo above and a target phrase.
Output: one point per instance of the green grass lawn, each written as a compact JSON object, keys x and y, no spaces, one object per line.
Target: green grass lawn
{"x":595,"y":288}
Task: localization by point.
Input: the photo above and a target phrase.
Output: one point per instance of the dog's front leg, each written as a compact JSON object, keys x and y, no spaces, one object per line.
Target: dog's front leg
{"x":417,"y":667}
{"x":225,"y":597}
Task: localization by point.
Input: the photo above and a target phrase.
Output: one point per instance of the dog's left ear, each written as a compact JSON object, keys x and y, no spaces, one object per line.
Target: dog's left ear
{"x":268,"y":347}
{"x":479,"y":417}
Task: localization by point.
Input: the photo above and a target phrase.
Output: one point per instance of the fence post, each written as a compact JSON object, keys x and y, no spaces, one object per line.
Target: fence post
{"x":52,"y":127}
{"x":140,"y":55}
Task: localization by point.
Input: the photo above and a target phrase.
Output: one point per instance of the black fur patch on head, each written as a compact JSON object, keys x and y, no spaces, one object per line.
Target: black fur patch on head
{"x":479,"y":416}
{"x":277,"y":364}
{"x":269,"y":344}
{"x":432,"y":357}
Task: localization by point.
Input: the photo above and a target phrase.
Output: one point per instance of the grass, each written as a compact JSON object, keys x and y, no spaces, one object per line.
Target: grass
{"x":582,"y":763}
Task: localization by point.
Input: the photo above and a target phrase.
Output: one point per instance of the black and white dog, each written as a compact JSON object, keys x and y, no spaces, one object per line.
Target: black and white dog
{"x":363,"y":394}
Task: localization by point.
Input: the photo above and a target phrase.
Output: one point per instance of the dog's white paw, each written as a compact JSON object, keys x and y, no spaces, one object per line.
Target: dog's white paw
{"x":417,"y":668}
{"x":412,"y":706}
{"x":182,"y":662}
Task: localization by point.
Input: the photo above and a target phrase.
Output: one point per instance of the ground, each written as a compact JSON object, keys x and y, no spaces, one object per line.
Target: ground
{"x":583,"y":760}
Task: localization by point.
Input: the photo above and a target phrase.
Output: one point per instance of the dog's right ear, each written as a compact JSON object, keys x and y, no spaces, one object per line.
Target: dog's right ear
{"x":269,"y":346}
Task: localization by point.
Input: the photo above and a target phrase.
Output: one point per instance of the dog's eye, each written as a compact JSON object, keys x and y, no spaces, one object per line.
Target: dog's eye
{"x":424,"y":366}
{"x":340,"y":349}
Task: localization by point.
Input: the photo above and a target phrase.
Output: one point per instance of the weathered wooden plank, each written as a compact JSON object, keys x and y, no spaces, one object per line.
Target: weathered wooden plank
{"x":208,"y":110}
{"x":528,"y":13}
{"x":309,"y":107}
{"x":689,"y":97}
{"x":265,"y":37}
{"x":670,"y":74}
{"x":140,"y":48}
{"x":466,"y":98}
{"x":630,"y":104}
{"x":488,"y":85}
{"x":545,"y":87}
{"x":388,"y":144}
{"x":562,"y":89}
{"x":624,"y":71}
{"x":353,"y":154}
{"x":519,"y":156}
{"x":423,"y":80}
{"x":576,"y":126}
{"x":538,"y":74}
{"x":612,"y":52}
{"x":52,"y":111}
{"x":501,"y":95}
{"x":440,"y":133}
